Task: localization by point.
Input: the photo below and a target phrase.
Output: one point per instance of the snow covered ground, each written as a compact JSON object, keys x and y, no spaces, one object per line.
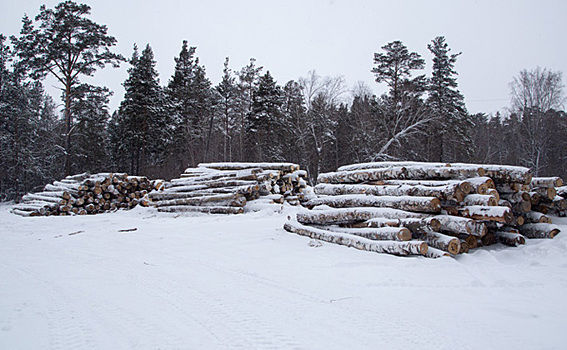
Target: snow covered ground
{"x":242,"y":282}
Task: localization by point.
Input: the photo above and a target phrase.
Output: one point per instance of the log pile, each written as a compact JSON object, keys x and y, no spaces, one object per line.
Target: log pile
{"x":444,"y":209}
{"x":225,"y":188}
{"x":87,"y":194}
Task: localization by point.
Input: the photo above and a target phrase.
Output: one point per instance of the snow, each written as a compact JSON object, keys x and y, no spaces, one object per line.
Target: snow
{"x":222,"y":282}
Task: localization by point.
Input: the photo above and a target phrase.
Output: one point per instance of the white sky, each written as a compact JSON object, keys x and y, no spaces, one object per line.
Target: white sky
{"x":334,"y":37}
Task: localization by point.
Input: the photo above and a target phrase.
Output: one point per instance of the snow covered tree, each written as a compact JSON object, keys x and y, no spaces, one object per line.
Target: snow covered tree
{"x":248,"y":79}
{"x":294,"y":133}
{"x":91,"y":143}
{"x":27,"y":121}
{"x":191,"y":106}
{"x":449,"y":136}
{"x":394,"y":67}
{"x":227,"y":109}
{"x":66,"y":44}
{"x":264,"y":124}
{"x":141,"y":132}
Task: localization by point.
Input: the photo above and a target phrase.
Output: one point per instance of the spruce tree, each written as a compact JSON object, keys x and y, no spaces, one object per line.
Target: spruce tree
{"x":248,"y":78}
{"x":450,"y":133}
{"x":141,"y":120}
{"x":264,"y":122}
{"x":227,"y":109}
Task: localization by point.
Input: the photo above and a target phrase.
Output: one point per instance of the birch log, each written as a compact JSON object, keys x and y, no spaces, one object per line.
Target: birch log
{"x":351,"y":215}
{"x":388,"y":247}
{"x":438,"y":240}
{"x":539,"y":230}
{"x":408,"y":203}
{"x":376,"y":234}
{"x":479,"y":212}
{"x":444,"y":192}
{"x":510,"y":238}
{"x":547,"y":182}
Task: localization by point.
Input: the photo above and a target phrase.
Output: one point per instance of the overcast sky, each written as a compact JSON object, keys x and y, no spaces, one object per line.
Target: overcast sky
{"x":335,"y":37}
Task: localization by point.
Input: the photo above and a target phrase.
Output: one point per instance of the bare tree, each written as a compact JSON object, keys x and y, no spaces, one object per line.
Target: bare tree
{"x":331,"y":89}
{"x":540,"y":89}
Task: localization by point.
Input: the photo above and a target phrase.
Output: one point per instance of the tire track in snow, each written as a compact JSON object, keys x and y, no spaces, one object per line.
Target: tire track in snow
{"x":67,"y":329}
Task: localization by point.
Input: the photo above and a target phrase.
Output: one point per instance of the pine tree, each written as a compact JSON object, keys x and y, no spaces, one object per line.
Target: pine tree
{"x":394,"y":67}
{"x":228,"y":104}
{"x":294,"y":131}
{"x":66,"y":44}
{"x":248,"y":78}
{"x":141,"y":120}
{"x":450,"y":134}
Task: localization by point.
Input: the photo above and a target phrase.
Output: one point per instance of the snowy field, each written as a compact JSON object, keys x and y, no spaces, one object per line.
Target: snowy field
{"x":242,"y":282}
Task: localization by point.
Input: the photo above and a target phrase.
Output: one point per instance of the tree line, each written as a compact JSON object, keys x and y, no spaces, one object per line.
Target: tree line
{"x":159,"y":130}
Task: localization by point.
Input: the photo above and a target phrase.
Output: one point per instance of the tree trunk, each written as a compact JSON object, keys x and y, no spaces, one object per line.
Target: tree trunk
{"x":388,"y":247}
{"x":414,"y":204}
{"x":351,"y":215}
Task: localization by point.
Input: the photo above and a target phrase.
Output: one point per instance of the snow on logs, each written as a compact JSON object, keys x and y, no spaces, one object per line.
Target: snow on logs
{"x":225,"y":188}
{"x":451,"y":207}
{"x":87,"y":194}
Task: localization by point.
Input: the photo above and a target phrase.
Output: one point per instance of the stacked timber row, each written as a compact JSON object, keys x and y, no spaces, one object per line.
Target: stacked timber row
{"x":431,"y":209}
{"x":548,"y":195}
{"x":87,"y":194}
{"x":224,"y":188}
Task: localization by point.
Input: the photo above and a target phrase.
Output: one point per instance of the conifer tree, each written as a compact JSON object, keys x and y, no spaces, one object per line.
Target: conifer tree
{"x":141,"y":123}
{"x":450,"y":133}
{"x":264,"y":122}
{"x":66,"y":44}
{"x":248,"y":78}
{"x":227,"y":109}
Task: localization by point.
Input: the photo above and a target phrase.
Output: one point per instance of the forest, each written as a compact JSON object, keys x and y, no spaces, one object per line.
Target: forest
{"x":315,"y":121}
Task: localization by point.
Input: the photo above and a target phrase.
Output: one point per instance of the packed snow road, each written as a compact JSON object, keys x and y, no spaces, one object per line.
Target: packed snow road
{"x":146,"y":280}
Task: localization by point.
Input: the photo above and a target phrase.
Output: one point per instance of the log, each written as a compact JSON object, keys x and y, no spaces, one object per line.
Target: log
{"x":438,"y":240}
{"x":446,"y":192}
{"x":464,"y":247}
{"x":494,"y":193}
{"x":547,"y":182}
{"x":427,"y":165}
{"x":479,"y":212}
{"x":287,"y":167}
{"x":195,"y":209}
{"x":510,"y":238}
{"x":408,"y":203}
{"x":41,"y":197}
{"x":532,"y":217}
{"x":401,"y":173}
{"x":460,"y":225}
{"x":376,"y":234}
{"x":539,"y":230}
{"x":435,"y":253}
{"x":546,"y":193}
{"x":481,"y":185}
{"x":388,"y":247}
{"x":228,"y":200}
{"x":480,"y":199}
{"x":488,"y":239}
{"x":471,"y":240}
{"x":25,"y":213}
{"x":463,"y":185}
{"x":561,"y":191}
{"x":351,"y":215}
{"x":508,"y":173}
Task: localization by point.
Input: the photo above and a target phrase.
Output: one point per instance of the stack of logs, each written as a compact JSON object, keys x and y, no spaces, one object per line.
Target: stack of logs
{"x":87,"y":194}
{"x":431,"y":209}
{"x":548,"y":195}
{"x":224,"y":188}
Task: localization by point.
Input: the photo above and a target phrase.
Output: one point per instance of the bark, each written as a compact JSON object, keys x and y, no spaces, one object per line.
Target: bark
{"x":452,"y":245}
{"x":40,"y":197}
{"x":510,"y":238}
{"x":546,"y":193}
{"x":478,"y":212}
{"x":196,"y":209}
{"x":460,"y":225}
{"x":463,"y":185}
{"x":547,"y":182}
{"x":539,"y":230}
{"x":446,"y":192}
{"x":401,"y":173}
{"x":351,"y":215}
{"x":376,"y":234}
{"x":480,"y":199}
{"x":287,"y":167}
{"x":436,"y":253}
{"x":408,"y":203}
{"x":508,"y":174}
{"x":388,"y":247}
{"x":481,"y":185}
{"x":227,"y":200}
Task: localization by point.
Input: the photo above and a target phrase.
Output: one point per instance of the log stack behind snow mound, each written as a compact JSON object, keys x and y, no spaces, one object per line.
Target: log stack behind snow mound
{"x":450,"y":207}
{"x":226,"y":187}
{"x":87,"y":194}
